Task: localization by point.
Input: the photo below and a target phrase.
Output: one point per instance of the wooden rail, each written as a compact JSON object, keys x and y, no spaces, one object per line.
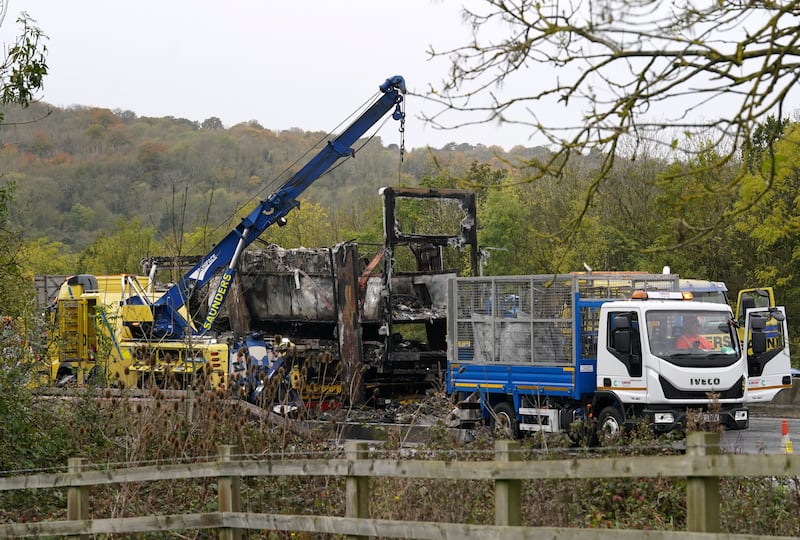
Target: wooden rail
{"x":701,"y":465}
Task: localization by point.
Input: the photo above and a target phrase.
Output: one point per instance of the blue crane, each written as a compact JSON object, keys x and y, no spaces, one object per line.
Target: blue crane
{"x":167,"y":322}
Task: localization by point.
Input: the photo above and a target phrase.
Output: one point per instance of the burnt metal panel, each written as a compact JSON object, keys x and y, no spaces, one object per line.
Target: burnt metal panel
{"x":289,"y":284}
{"x":336,"y":295}
{"x":345,"y":261}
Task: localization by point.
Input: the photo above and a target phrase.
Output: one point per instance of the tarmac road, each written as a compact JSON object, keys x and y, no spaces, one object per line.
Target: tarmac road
{"x":762,"y":437}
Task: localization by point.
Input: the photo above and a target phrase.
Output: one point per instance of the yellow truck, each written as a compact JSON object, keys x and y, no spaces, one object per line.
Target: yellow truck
{"x":90,"y":340}
{"x":84,"y":319}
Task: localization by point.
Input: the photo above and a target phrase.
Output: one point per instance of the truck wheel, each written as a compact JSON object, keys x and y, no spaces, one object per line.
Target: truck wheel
{"x":504,"y":421}
{"x":609,"y":426}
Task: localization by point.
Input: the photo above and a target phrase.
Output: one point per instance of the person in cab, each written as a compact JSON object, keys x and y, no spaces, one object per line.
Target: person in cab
{"x":690,"y":337}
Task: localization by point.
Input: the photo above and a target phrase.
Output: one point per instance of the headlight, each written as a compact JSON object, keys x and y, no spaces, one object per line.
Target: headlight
{"x":740,"y":415}
{"x":664,"y":418}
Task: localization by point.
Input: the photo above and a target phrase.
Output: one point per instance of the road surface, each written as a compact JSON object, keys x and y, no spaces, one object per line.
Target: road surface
{"x":764,"y":436}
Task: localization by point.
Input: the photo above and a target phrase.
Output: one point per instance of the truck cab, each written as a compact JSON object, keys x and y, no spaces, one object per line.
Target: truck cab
{"x":664,"y":359}
{"x":660,"y":356}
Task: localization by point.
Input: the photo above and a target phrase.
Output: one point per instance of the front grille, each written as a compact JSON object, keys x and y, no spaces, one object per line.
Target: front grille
{"x":670,"y":392}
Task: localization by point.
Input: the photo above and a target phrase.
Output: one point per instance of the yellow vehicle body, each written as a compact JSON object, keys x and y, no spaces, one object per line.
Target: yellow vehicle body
{"x":175,"y":365}
{"x":760,"y":297}
{"x":86,"y":327}
{"x":754,"y":298}
{"x":90,"y":344}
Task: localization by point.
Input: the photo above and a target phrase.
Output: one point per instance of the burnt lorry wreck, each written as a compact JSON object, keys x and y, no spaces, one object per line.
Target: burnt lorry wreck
{"x":368,"y":320}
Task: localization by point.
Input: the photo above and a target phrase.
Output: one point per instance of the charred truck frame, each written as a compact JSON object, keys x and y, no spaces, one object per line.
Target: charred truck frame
{"x":368,"y":322}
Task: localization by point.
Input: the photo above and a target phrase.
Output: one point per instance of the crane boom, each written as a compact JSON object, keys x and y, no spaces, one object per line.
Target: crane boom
{"x":167,"y":321}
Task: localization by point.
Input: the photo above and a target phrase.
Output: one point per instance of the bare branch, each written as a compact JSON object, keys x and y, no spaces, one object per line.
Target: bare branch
{"x":595,"y":72}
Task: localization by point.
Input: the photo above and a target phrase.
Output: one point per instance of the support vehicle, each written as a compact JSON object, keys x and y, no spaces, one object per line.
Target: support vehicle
{"x":706,"y":291}
{"x":153,"y":336}
{"x":85,"y":336}
{"x":563,"y":352}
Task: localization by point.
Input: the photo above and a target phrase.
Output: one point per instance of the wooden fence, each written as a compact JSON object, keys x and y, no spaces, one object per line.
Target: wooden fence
{"x":702,"y":465}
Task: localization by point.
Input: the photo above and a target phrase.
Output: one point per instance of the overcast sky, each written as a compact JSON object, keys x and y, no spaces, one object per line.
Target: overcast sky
{"x":290,"y":64}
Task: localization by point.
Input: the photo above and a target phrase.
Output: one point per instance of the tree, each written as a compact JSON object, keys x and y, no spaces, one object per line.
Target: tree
{"x":688,"y":193}
{"x":21,"y":77}
{"x":212,"y":122}
{"x":761,"y":144}
{"x":24,"y":68}
{"x":42,"y":257}
{"x":152,"y":157}
{"x":119,"y":252}
{"x":307,"y":226}
{"x":625,"y":69}
{"x":769,"y":237}
{"x":503,"y":232}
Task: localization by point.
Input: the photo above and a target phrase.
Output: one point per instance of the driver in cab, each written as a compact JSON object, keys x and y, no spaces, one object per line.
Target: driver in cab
{"x":690,"y":337}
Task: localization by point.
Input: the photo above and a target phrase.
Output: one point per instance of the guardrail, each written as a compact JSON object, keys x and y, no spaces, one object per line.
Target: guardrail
{"x":701,"y":465}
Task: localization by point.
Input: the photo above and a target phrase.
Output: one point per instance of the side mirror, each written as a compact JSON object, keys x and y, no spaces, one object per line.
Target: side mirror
{"x":622,"y":340}
{"x":759,"y":342}
{"x":777,"y":315}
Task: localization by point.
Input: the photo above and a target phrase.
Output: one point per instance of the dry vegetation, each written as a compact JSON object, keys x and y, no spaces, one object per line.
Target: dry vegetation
{"x":116,"y":432}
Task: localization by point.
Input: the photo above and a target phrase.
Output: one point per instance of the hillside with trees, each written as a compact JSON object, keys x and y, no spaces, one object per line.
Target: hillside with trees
{"x":81,"y":173}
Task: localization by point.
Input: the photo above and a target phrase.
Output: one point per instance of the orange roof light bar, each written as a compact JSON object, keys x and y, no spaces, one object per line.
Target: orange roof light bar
{"x":661,"y":295}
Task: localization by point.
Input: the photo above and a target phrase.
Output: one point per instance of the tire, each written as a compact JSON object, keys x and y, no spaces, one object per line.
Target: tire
{"x":65,"y":377}
{"x":609,"y":426}
{"x":504,"y":423}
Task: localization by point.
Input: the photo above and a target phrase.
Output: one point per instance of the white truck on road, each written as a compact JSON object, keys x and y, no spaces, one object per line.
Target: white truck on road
{"x":557,"y":351}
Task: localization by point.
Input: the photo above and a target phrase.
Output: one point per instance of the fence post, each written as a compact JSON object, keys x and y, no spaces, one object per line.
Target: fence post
{"x":702,"y":492}
{"x":507,"y":493}
{"x":78,"y":496}
{"x":356,"y":487}
{"x":228,"y":494}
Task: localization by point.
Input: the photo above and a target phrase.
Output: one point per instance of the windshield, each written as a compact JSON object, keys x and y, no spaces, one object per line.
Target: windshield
{"x":715,"y":297}
{"x":692,"y":337}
